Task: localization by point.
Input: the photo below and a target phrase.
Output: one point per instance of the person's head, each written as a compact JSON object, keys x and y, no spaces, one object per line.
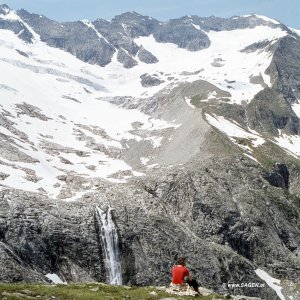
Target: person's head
{"x":181,"y":261}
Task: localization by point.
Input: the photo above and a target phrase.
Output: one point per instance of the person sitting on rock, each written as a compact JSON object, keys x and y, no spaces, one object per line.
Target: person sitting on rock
{"x":181,"y":275}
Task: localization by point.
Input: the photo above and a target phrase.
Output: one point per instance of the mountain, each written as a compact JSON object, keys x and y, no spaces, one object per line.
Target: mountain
{"x":188,"y":130}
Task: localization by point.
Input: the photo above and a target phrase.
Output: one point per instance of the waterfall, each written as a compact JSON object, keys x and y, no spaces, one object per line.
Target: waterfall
{"x":110,"y":243}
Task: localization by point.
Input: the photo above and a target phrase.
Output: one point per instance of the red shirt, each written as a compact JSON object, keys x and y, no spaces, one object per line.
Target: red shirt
{"x":178,"y":274}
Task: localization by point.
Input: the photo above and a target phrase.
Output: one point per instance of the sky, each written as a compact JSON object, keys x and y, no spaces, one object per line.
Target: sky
{"x":286,"y":11}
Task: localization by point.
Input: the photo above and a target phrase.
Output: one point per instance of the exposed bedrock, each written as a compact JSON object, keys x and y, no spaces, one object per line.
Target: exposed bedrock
{"x":226,"y":220}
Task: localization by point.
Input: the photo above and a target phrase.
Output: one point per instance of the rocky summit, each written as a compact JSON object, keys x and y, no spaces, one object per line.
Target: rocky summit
{"x":128,"y":143}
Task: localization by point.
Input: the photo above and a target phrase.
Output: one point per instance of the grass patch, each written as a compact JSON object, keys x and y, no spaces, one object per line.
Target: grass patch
{"x":90,"y":291}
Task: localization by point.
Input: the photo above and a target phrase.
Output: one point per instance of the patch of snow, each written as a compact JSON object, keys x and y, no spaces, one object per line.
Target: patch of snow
{"x":212,"y":95}
{"x":144,"y":160}
{"x":295,"y":30}
{"x":10,"y":16}
{"x":267,"y":19}
{"x":273,"y":283}
{"x":296,"y":107}
{"x":153,"y":166}
{"x":251,"y":157}
{"x":138,"y":174}
{"x":233,"y":130}
{"x":91,"y":25}
{"x":198,"y":27}
{"x":188,"y":102}
{"x":55,"y":279}
{"x":155,"y":140}
{"x":124,"y":26}
{"x":290,"y":143}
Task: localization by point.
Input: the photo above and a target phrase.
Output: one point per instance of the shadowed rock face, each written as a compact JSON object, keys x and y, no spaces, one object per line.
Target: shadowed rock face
{"x":74,"y":37}
{"x":126,"y":59}
{"x":269,"y":111}
{"x":285,"y":68}
{"x":15,"y":26}
{"x":279,"y":176}
{"x":185,"y":35}
{"x":146,"y":56}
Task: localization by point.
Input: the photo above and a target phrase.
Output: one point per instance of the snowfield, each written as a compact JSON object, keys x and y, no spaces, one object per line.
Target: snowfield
{"x":234,"y":130}
{"x":218,"y":63}
{"x":56,"y":122}
{"x":273,"y":283}
{"x":68,"y":128}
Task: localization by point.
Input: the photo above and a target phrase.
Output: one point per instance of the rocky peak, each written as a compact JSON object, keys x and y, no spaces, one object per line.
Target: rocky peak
{"x":136,"y":24}
{"x":12,"y":23}
{"x":235,"y":22}
{"x":128,"y":16}
{"x":4,"y":9}
{"x":182,"y":33}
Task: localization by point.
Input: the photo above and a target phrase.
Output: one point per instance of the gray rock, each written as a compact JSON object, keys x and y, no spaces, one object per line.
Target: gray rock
{"x":136,"y":25}
{"x":31,"y":111}
{"x":256,"y":46}
{"x":183,"y":34}
{"x":74,"y":37}
{"x":15,"y":25}
{"x":127,"y":60}
{"x":146,"y":56}
{"x":4,"y":9}
{"x":283,"y":69}
{"x":279,"y":176}
{"x":150,"y":80}
{"x":14,"y":154}
{"x":117,"y":35}
{"x":3,"y":176}
{"x":269,"y":111}
{"x":236,"y":22}
{"x":22,"y":53}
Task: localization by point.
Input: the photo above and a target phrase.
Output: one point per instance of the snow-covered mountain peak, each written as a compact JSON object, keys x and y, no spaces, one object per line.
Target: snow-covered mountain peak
{"x":57,"y":81}
{"x":4,"y":9}
{"x":10,"y":15}
{"x":262,"y":17}
{"x":129,"y":15}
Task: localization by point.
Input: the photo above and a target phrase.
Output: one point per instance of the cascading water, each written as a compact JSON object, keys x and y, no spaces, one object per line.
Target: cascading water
{"x":110,"y":242}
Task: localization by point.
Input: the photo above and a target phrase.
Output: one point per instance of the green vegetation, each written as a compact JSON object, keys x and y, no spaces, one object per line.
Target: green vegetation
{"x":92,"y":291}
